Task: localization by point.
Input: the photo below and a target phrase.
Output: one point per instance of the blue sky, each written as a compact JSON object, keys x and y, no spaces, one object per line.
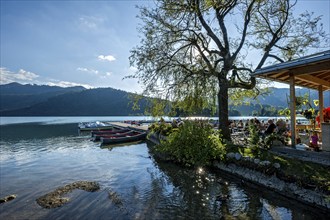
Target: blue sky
{"x":85,"y":43}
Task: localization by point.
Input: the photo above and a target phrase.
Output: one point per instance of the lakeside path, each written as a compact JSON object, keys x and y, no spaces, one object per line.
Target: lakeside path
{"x":321,"y":157}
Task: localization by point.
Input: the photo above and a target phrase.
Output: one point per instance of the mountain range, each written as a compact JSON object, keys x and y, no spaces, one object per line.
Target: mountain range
{"x":42,"y":100}
{"x":35,"y":100}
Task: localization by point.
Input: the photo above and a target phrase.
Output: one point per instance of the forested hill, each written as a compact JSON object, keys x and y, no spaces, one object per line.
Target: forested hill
{"x":35,"y":100}
{"x":75,"y":102}
{"x":276,"y":100}
{"x":16,"y":96}
{"x":280,"y":96}
{"x":28,"y":89}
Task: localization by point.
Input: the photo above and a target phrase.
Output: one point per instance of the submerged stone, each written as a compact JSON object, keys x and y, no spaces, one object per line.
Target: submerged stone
{"x":54,"y":199}
{"x":7,"y":198}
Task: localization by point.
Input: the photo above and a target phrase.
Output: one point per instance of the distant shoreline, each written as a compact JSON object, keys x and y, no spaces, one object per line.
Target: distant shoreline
{"x":6,"y":120}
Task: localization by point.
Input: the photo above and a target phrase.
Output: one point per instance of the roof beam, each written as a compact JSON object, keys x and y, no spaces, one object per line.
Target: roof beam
{"x":313,"y":80}
{"x":309,"y":69}
{"x":280,"y":74}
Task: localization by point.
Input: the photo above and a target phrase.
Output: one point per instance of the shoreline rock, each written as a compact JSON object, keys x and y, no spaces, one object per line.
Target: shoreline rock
{"x":55,"y":198}
{"x":8,"y":198}
{"x":287,"y":189}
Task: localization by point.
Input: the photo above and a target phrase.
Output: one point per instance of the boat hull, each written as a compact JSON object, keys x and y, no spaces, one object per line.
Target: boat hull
{"x":128,"y":138}
{"x":97,"y":137}
{"x":109,"y":132}
{"x":97,"y":128}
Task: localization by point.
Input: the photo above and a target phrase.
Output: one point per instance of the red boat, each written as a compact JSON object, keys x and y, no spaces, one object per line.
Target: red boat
{"x":134,"y":136}
{"x":109,"y":132}
{"x":97,"y":137}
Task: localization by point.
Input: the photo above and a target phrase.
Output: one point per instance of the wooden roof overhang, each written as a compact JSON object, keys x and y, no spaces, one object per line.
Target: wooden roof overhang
{"x":311,"y":71}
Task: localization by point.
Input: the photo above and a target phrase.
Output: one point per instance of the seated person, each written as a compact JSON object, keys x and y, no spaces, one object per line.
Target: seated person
{"x":314,"y":139}
{"x":281,"y":126}
{"x":270,"y":128}
{"x":288,"y":126}
{"x":240,"y":124}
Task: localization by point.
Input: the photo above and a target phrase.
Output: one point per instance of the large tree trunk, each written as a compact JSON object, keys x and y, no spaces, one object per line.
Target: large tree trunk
{"x":223,"y":111}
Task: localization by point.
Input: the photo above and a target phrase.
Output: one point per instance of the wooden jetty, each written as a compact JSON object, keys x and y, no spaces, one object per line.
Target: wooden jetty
{"x":129,"y":126}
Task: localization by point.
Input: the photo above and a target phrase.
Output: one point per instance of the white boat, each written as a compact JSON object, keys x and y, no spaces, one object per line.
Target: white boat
{"x":90,"y":126}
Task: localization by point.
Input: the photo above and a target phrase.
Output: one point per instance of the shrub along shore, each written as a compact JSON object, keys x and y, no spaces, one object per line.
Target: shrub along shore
{"x":195,"y":144}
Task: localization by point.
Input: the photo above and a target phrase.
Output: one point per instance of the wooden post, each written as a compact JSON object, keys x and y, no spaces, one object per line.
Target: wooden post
{"x":293,"y":110}
{"x":321,"y":104}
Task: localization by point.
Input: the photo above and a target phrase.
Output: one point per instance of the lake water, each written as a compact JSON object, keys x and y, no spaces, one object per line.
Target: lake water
{"x":47,"y":153}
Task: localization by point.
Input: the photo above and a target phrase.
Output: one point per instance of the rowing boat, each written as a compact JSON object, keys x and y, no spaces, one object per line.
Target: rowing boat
{"x":135,"y":136}
{"x":109,"y":132}
{"x":94,"y":126}
{"x":97,"y":137}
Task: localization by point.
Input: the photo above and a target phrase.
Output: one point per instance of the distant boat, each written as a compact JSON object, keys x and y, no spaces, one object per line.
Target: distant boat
{"x":133,"y":122}
{"x":134,"y":136}
{"x":121,"y":133}
{"x":90,"y":126}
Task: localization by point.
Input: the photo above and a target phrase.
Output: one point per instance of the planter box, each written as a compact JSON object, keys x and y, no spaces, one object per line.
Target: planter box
{"x":326,"y":136}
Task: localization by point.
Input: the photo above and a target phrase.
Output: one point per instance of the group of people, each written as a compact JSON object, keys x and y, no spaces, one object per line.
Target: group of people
{"x":267,"y":128}
{"x":281,"y":127}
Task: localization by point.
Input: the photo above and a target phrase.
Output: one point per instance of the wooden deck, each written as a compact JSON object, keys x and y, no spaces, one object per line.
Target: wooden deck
{"x":134,"y":127}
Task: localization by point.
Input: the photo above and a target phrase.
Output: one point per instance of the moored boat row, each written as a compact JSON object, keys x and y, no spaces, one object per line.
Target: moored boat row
{"x":110,"y":134}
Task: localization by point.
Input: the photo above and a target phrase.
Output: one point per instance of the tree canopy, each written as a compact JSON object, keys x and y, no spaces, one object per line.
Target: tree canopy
{"x":195,"y":52}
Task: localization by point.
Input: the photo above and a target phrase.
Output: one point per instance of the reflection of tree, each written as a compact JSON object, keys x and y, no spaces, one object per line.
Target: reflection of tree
{"x":193,"y":193}
{"x":270,"y":210}
{"x":263,"y":201}
{"x":189,"y":193}
{"x":239,"y":205}
{"x":255,"y":206}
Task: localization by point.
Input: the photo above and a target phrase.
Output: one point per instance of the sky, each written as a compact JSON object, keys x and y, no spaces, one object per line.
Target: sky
{"x":88,"y":43}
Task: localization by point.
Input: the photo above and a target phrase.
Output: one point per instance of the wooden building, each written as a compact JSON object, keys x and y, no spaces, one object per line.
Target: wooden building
{"x":312,"y":72}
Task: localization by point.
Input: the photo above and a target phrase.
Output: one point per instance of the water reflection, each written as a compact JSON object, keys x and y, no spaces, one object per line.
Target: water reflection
{"x":215,"y":195}
{"x":134,"y":184}
{"x":28,"y":131}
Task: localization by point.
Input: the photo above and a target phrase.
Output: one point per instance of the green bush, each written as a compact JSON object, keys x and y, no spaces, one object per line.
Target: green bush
{"x":161,"y":127}
{"x":194,"y":143}
{"x":254,"y":136}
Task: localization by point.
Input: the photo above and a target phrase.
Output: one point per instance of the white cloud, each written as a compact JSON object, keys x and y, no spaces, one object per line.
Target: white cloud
{"x":105,"y":75}
{"x":90,"y":22}
{"x":101,"y":75}
{"x":106,"y":57}
{"x":67,"y":84}
{"x":22,"y":76}
{"x":83,"y":69}
{"x":26,"y":77}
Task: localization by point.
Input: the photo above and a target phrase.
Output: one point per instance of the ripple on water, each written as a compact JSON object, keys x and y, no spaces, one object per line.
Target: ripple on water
{"x":133,"y":185}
